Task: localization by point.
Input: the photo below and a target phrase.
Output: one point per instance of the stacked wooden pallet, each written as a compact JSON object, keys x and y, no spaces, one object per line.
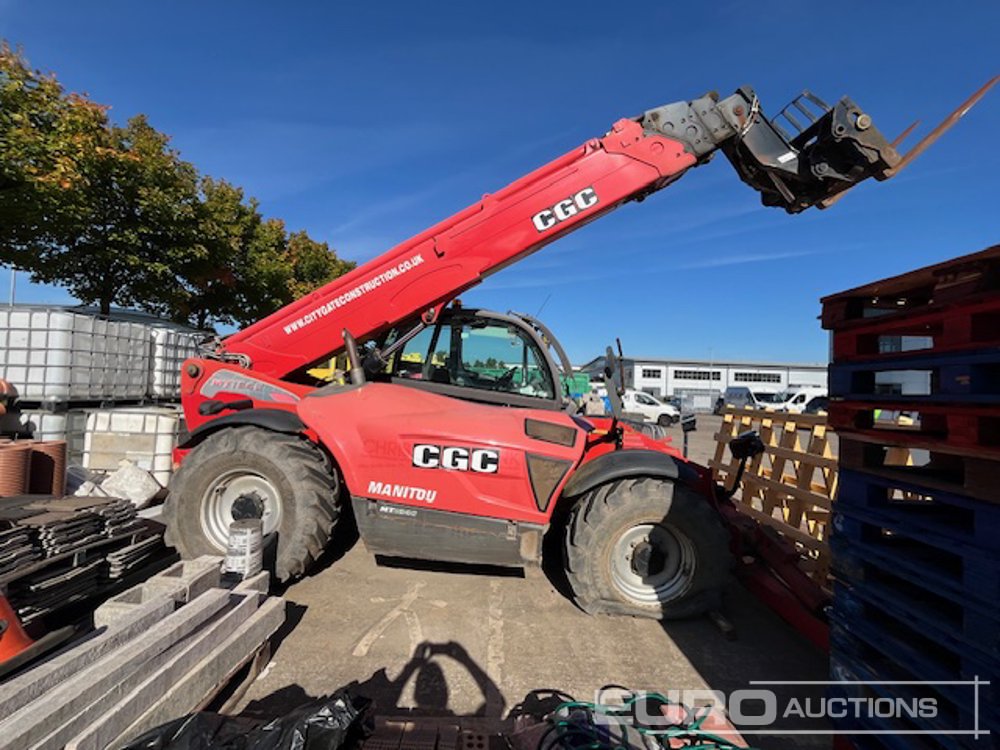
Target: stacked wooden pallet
{"x":915,"y":388}
{"x":789,"y":487}
{"x":163,"y":649}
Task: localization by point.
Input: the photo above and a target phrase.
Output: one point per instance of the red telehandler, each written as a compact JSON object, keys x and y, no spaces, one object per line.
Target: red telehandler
{"x":443,"y":458}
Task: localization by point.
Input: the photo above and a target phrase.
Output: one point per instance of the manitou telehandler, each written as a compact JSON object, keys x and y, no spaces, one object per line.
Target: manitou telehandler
{"x":451,"y":438}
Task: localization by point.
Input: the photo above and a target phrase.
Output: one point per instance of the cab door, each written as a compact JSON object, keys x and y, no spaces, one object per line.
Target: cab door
{"x":460,"y":456}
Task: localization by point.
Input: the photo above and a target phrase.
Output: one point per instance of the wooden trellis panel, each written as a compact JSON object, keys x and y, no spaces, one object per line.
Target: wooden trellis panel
{"x":790,"y":487}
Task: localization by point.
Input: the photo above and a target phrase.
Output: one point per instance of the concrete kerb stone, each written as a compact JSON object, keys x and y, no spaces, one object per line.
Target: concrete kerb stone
{"x":183,"y":696}
{"x":187,"y":579}
{"x":116,"y":710}
{"x":122,"y":669}
{"x":181,"y":582}
{"x":260,"y":583}
{"x":21,"y":690}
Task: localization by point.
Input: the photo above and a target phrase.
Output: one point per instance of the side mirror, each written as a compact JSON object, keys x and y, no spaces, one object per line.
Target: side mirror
{"x":746,"y":445}
{"x":611,"y":369}
{"x":689,"y":423}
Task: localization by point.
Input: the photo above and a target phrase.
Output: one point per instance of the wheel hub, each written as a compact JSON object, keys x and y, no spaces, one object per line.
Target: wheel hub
{"x":250,"y":505}
{"x":236,"y":495}
{"x":652,"y":563}
{"x":647,"y":560}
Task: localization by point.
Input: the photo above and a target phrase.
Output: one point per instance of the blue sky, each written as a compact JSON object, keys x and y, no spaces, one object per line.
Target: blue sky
{"x":366,"y":123}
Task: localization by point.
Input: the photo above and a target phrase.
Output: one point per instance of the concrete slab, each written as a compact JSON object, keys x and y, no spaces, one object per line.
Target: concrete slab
{"x":36,"y":681}
{"x":187,"y":579}
{"x":111,"y":714}
{"x":121,"y":669}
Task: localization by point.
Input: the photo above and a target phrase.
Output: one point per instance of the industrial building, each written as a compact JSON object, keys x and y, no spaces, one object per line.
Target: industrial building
{"x":699,"y":382}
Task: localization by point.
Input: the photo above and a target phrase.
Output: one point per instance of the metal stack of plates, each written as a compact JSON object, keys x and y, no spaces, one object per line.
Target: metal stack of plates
{"x":59,"y":532}
{"x":44,"y":592}
{"x":16,"y":548}
{"x":119,"y":517}
{"x":123,"y":561}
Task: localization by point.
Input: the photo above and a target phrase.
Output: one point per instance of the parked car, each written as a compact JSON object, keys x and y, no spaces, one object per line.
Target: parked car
{"x":650,"y":407}
{"x":817,"y":405}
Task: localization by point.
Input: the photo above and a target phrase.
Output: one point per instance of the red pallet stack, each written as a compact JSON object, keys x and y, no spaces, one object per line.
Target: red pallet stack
{"x":915,"y":400}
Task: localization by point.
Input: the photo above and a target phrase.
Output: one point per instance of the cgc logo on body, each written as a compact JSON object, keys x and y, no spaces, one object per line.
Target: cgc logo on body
{"x":455,"y":458}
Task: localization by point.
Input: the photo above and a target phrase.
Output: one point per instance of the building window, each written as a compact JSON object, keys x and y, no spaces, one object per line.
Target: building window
{"x":756,"y":377}
{"x":653,"y":373}
{"x":697,"y":374}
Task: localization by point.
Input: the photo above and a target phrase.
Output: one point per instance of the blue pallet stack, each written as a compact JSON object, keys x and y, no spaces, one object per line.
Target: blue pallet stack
{"x":915,"y":401}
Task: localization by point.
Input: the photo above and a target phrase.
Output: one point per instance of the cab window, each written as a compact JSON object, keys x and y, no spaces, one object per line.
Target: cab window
{"x":477,"y":353}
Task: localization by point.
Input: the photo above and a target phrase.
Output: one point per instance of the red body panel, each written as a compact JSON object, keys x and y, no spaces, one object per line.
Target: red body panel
{"x":372,"y":432}
{"x":208,"y":379}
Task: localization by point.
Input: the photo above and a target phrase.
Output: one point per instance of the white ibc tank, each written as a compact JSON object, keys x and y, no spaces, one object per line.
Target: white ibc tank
{"x":171,"y":346}
{"x":51,"y":354}
{"x":146,"y":436}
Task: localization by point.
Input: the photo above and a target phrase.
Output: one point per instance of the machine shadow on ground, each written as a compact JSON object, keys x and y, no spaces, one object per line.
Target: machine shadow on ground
{"x":431,"y":688}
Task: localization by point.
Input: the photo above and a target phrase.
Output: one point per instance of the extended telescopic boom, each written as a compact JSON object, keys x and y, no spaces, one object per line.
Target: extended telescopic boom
{"x":807,"y":156}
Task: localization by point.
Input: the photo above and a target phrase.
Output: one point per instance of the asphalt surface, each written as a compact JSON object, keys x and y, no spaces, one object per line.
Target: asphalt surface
{"x":463,"y":641}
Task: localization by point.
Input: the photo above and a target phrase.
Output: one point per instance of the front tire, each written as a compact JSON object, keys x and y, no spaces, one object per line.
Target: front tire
{"x":248,"y":472}
{"x":646,"y":547}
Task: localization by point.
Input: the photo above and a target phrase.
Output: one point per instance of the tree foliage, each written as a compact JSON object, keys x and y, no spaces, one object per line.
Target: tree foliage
{"x":117,"y":217}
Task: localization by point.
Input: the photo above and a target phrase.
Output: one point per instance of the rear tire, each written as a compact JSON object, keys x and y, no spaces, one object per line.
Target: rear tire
{"x":285,"y":480}
{"x":646,"y":547}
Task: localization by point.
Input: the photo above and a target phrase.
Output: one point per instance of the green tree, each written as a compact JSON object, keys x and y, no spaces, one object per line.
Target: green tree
{"x":135,"y":224}
{"x":244,"y":266}
{"x":45,"y":135}
{"x":205,"y":285}
{"x":105,"y":211}
{"x":117,"y":217}
{"x":312,"y":264}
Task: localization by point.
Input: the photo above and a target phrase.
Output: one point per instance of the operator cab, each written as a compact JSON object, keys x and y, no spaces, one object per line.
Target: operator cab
{"x":478,"y":355}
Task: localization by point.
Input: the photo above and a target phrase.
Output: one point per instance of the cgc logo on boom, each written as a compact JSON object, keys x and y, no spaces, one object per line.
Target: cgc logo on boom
{"x":564,"y":209}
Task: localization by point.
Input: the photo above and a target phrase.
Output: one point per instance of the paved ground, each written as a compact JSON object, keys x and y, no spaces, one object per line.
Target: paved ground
{"x":473,"y":642}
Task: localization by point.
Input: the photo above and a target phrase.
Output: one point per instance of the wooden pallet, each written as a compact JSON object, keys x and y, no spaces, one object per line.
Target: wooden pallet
{"x":930,"y":560}
{"x":952,"y":377}
{"x":966,"y":430}
{"x":868,"y":674}
{"x":790,"y":486}
{"x":935,"y":328}
{"x":928,"y":467}
{"x":969,"y":279}
{"x":870,"y":630}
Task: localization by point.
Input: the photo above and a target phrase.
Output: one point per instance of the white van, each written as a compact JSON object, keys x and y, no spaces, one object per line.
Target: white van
{"x":795,"y":400}
{"x":651,"y":408}
{"x":742,"y":397}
